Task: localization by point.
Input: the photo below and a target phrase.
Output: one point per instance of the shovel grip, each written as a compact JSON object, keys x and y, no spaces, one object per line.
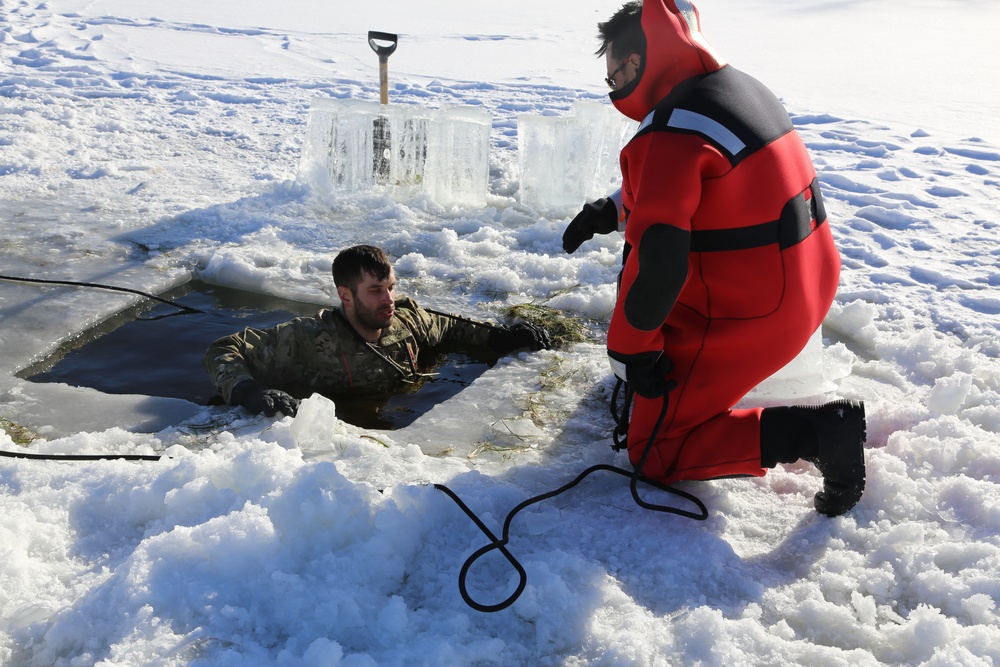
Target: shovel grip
{"x":382,"y":49}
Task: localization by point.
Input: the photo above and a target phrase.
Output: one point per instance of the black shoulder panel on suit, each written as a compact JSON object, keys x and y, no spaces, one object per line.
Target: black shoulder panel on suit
{"x":729,"y":108}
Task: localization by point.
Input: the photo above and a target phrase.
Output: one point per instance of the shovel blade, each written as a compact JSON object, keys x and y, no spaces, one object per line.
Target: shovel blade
{"x":381,"y":149}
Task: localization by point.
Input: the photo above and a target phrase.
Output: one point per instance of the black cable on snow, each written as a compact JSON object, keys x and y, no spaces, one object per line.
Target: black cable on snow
{"x":80,"y":457}
{"x":114,"y":288}
{"x":500,"y":544}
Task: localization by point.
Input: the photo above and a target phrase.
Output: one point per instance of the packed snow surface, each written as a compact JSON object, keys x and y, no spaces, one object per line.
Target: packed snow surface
{"x":143,"y":143}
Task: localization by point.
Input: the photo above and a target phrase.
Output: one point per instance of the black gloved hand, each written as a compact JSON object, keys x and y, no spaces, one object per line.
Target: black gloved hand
{"x":257,"y":398}
{"x":599,"y":217}
{"x":646,"y":374}
{"x":520,"y":336}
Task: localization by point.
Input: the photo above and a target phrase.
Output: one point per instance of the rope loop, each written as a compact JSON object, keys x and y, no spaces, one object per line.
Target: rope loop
{"x":501,"y":543}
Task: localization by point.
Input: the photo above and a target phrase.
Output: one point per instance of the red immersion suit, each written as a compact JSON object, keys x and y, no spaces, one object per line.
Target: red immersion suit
{"x":729,"y":266}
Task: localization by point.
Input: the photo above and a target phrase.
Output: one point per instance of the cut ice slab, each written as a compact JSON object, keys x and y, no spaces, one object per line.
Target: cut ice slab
{"x":81,"y":409}
{"x":355,"y":145}
{"x":812,"y":373}
{"x":565,"y":161}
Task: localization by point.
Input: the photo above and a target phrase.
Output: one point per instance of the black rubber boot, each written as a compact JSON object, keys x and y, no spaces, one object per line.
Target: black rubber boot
{"x":832,"y":436}
{"x":786,"y":436}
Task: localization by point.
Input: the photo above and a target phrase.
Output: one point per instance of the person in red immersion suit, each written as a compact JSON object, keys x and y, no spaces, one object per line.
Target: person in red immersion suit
{"x":729,"y":265}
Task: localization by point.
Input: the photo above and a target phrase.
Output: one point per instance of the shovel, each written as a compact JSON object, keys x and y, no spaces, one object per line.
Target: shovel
{"x":383,"y":44}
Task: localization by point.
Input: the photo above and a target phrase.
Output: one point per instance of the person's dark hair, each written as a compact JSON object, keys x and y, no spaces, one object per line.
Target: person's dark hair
{"x":623,"y":32}
{"x":351,"y":263}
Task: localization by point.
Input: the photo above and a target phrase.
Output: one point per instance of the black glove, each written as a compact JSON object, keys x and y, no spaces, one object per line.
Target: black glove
{"x":523,"y":335}
{"x":257,"y":398}
{"x":599,"y":217}
{"x":646,"y":374}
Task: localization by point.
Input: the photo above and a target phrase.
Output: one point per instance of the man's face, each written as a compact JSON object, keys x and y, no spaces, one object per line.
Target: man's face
{"x":372,"y":301}
{"x":621,"y":72}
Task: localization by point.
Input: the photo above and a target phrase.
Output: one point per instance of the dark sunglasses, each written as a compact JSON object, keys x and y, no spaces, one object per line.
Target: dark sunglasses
{"x":610,"y":80}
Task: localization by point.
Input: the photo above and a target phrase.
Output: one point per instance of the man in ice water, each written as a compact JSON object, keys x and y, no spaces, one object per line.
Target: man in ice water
{"x":372,"y":344}
{"x":729,"y":265}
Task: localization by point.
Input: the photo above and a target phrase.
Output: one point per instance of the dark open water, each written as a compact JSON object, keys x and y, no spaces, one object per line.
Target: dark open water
{"x":156,"y":350}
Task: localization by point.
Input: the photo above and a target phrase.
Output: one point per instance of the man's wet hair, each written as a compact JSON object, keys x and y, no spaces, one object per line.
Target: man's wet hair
{"x":350,"y":265}
{"x":623,"y":32}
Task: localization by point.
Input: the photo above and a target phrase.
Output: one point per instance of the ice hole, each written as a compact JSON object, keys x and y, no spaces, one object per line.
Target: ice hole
{"x":155,"y":349}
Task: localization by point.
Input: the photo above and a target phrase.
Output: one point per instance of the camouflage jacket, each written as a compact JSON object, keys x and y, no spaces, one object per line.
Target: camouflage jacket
{"x":324,"y":354}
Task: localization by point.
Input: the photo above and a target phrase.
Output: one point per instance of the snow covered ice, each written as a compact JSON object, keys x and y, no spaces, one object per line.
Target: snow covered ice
{"x":145,"y":143}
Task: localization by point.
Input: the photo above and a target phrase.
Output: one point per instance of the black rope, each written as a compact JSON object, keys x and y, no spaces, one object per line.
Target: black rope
{"x":619,"y":436}
{"x":460,"y":318}
{"x":81,"y":457}
{"x":495,"y":543}
{"x":501,"y":543}
{"x":114,"y":288}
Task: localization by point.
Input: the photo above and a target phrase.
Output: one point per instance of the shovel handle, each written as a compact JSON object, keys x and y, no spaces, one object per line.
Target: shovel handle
{"x":383,"y":51}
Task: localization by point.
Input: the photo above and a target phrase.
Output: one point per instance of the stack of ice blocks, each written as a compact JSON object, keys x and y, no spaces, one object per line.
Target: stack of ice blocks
{"x":355,"y":145}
